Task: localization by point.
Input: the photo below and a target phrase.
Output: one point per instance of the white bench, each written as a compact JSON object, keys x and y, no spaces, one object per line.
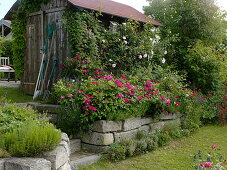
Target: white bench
{"x":5,"y":67}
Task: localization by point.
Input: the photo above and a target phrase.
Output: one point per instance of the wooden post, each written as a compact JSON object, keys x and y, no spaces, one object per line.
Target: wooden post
{"x":2,"y":30}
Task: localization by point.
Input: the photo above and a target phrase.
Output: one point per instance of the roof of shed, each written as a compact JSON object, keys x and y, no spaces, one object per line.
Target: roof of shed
{"x":105,"y":6}
{"x":114,"y":8}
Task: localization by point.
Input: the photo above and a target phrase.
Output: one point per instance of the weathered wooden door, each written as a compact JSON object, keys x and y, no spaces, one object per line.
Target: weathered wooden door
{"x":36,"y":36}
{"x":32,"y":58}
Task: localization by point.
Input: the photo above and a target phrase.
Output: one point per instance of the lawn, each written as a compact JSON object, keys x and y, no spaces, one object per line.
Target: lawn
{"x":178,"y":155}
{"x":15,"y":95}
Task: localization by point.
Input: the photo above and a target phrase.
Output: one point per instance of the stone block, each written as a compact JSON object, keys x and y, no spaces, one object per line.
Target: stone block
{"x":27,"y":164}
{"x":66,"y":146}
{"x":104,"y":126}
{"x":170,"y":117}
{"x":49,"y":108}
{"x":64,"y":137}
{"x":2,"y":162}
{"x":75,"y":145}
{"x":134,"y":123}
{"x":57,"y":157}
{"x":121,"y":136}
{"x":94,"y":148}
{"x":96,"y":138}
{"x":156,"y":126}
{"x":145,"y":128}
{"x":84,"y":161}
{"x":66,"y":166}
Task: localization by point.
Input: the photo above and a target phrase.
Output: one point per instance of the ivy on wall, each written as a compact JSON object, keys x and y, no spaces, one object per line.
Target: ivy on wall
{"x":19,"y":32}
{"x":124,"y":49}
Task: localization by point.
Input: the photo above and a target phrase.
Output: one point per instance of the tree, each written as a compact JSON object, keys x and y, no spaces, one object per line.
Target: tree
{"x":187,"y":22}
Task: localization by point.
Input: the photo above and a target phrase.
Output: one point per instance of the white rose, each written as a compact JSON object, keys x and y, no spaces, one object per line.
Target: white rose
{"x":124,"y":37}
{"x":163,"y":60}
{"x":110,"y":60}
{"x":103,"y":41}
{"x":125,"y":42}
{"x":145,"y":56}
{"x":114,"y":65}
{"x":165,"y":52}
{"x":140,"y":57}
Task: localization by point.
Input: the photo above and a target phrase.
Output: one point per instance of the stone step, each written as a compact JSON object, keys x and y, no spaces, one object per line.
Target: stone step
{"x":75,"y":145}
{"x":81,"y":159}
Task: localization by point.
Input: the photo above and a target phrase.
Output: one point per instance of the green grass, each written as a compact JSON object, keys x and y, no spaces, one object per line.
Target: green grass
{"x":177,"y":156}
{"x":15,"y":95}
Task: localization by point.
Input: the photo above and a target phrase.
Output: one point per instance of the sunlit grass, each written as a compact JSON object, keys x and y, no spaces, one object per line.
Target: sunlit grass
{"x":177,"y":156}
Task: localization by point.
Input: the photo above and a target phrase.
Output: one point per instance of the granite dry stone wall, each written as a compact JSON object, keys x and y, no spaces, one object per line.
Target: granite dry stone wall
{"x":103,"y":133}
{"x":57,"y":159}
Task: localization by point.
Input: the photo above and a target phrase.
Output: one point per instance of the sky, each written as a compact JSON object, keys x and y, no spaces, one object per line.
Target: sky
{"x":5,"y":5}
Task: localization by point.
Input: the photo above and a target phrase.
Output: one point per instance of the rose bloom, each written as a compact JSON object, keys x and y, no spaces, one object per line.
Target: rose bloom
{"x":68,"y":85}
{"x":177,"y":104}
{"x":108,"y":78}
{"x":92,"y":108}
{"x":69,"y":95}
{"x":87,"y":113}
{"x":120,"y":95}
{"x":208,"y":164}
{"x":140,"y":98}
{"x":62,"y":97}
{"x":146,"y":88}
{"x":123,"y":76}
{"x":163,"y":98}
{"x":80,"y":91}
{"x":214,"y":146}
{"x":127,"y":100}
{"x":147,"y":96}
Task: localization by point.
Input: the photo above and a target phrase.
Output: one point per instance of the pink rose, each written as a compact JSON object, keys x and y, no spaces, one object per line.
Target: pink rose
{"x":146,"y":88}
{"x":92,"y":108}
{"x":62,"y":97}
{"x":69,"y":95}
{"x":79,"y":91}
{"x":84,"y":61}
{"x":208,"y":164}
{"x":108,"y":78}
{"x":85,"y":71}
{"x":140,"y":98}
{"x":147,"y":96}
{"x":168,"y":104}
{"x":177,"y":104}
{"x":127,"y":100}
{"x":123,"y":76}
{"x":87,"y":113}
{"x":163,"y":98}
{"x":120,"y":95}
{"x":214,"y":146}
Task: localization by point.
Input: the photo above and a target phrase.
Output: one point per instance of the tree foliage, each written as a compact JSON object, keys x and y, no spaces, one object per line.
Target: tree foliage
{"x":187,"y":22}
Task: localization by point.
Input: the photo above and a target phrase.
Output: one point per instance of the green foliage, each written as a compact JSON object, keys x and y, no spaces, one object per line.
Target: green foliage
{"x":19,"y":32}
{"x":116,"y":152}
{"x":6,"y":48}
{"x":187,"y":23}
{"x":192,"y":115}
{"x":163,"y":138}
{"x":12,"y":117}
{"x":204,"y":68}
{"x":32,"y":138}
{"x":4,"y":154}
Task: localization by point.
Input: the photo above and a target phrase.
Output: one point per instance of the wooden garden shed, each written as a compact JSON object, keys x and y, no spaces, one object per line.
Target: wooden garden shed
{"x":51,"y":13}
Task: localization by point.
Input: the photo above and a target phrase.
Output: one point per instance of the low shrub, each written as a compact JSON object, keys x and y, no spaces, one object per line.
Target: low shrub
{"x":116,"y":152}
{"x":12,"y":117}
{"x":32,"y":138}
{"x":22,"y":133}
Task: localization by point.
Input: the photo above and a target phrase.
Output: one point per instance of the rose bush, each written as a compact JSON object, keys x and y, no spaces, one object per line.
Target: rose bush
{"x":100,"y":95}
